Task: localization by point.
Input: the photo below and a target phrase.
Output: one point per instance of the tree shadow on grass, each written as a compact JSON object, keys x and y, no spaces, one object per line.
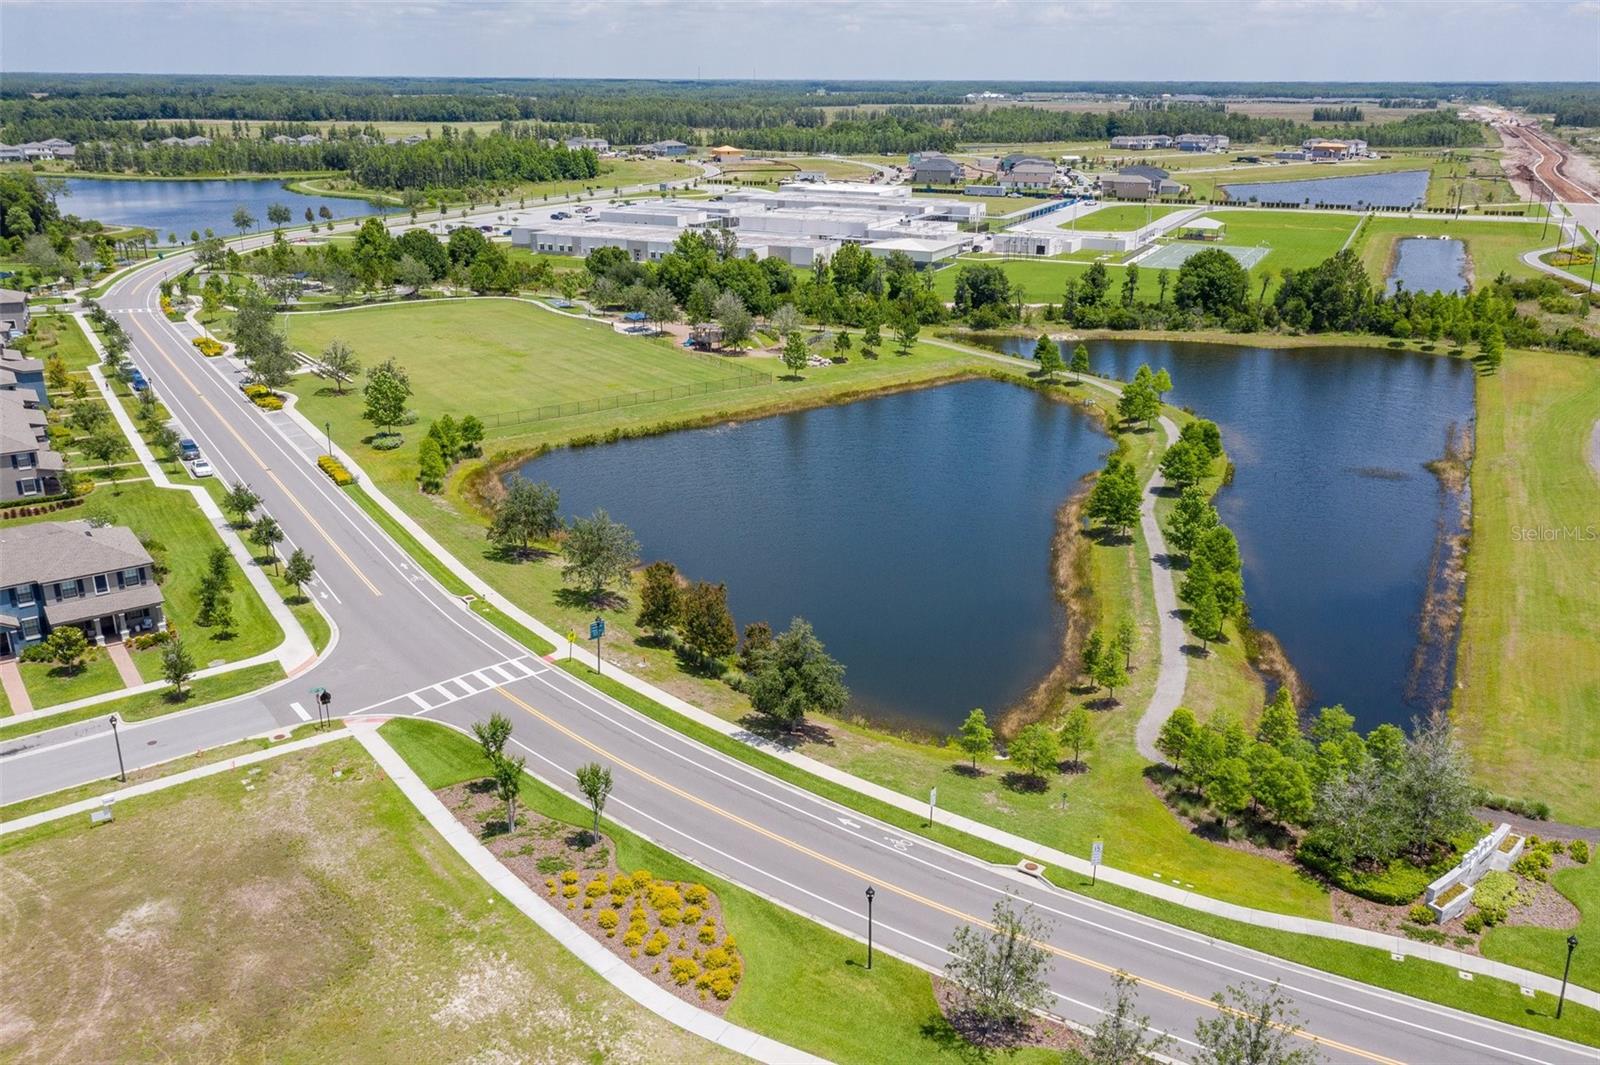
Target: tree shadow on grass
{"x":584,"y":598}
{"x":938,"y":1030}
{"x":1025,"y":783}
{"x":806,"y":732}
{"x":516,"y":553}
{"x":971,"y":772}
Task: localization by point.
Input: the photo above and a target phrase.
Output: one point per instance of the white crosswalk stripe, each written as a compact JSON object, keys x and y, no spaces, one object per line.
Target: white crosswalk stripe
{"x":454,"y":689}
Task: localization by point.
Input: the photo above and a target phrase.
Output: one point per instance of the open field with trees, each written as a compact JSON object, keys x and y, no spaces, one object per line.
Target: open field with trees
{"x":354,"y":926}
{"x":1528,"y":695}
{"x":852,"y":1015}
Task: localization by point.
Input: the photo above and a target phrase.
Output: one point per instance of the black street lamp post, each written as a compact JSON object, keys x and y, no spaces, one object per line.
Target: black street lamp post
{"x":1572,"y":945}
{"x":122,"y":770}
{"x":871,"y":894}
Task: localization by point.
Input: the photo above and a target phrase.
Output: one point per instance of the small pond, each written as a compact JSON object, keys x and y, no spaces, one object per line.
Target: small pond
{"x":912,"y":530}
{"x":1402,"y":188}
{"x":182,"y":207}
{"x":1424,"y":264}
{"x":1336,"y":516}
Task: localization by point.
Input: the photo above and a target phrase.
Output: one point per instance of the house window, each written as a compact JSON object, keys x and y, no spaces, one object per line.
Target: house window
{"x":69,"y":590}
{"x":28,"y":488}
{"x":23,"y":460}
{"x":133,"y":576}
{"x":30,"y":628}
{"x":101,"y":585}
{"x":22,"y":595}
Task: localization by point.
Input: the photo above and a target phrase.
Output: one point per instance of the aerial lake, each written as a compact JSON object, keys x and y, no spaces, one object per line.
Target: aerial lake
{"x":1336,"y":516}
{"x":183,"y":207}
{"x":1422,"y":264}
{"x":912,"y":530}
{"x":1403,"y":188}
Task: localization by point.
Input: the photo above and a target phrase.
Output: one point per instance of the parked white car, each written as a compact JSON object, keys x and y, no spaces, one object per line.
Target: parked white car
{"x":200,"y":468}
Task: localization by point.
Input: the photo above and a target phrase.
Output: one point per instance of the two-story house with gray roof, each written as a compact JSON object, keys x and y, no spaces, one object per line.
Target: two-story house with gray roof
{"x":28,"y":467}
{"x":18,"y":373}
{"x":57,"y":573}
{"x":14,"y":312}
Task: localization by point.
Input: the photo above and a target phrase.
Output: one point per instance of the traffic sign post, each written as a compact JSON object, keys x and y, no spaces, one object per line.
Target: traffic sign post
{"x":933,"y":800}
{"x":597,"y":629}
{"x":1096,"y":851}
{"x":324,"y":700}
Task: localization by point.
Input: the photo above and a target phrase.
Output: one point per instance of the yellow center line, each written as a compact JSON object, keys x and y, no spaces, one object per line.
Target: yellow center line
{"x":226,"y":424}
{"x":907,"y":893}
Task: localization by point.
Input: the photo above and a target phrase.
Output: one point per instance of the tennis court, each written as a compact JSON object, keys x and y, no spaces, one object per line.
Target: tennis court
{"x":1172,"y":256}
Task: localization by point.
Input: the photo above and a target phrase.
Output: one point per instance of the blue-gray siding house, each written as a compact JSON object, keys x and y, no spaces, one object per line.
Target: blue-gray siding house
{"x":57,"y":573}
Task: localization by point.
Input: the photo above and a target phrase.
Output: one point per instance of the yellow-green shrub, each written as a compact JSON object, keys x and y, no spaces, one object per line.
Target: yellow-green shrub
{"x":665,"y":896}
{"x":335,"y":470}
{"x":632,"y":938}
{"x":570,"y":891}
{"x":569,"y":877}
{"x":607,"y":920}
{"x":669,"y":917}
{"x":722,"y":987}
{"x":656,"y":944}
{"x":595,"y":888}
{"x":683,"y":970}
{"x":708,"y":933}
{"x":697,"y":894}
{"x":691,"y":914}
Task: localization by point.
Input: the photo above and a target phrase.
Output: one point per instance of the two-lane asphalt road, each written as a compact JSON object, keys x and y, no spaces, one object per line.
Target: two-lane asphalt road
{"x":407,"y":648}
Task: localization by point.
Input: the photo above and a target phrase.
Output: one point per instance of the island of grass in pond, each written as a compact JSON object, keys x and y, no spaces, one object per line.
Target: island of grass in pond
{"x":1336,"y":513}
{"x":913,"y":530}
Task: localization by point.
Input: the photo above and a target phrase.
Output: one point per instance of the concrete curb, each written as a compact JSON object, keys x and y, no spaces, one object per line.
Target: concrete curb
{"x":72,"y":809}
{"x":612,"y":969}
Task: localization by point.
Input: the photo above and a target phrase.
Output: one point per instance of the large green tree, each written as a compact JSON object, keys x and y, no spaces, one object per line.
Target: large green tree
{"x":797,"y":677}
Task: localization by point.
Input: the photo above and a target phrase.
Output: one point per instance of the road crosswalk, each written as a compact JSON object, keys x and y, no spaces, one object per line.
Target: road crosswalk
{"x":479,"y":680}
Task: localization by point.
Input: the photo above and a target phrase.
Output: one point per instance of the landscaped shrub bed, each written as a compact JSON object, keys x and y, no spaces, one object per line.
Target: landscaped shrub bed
{"x":263,"y":397}
{"x":670,"y":931}
{"x":27,"y":508}
{"x":336,"y":470}
{"x":208,"y":347}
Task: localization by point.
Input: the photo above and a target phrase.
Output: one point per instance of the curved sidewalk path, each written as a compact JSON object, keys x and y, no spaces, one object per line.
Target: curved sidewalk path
{"x":1173,"y":671}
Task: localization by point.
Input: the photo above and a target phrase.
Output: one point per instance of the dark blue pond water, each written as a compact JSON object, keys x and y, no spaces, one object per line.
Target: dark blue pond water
{"x":183,"y":207}
{"x":1335,"y":514}
{"x":912,"y":530}
{"x":1403,"y":188}
{"x":1429,"y":265}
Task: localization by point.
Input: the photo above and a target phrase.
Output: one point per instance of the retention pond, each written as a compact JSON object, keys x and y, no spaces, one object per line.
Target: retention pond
{"x":187,"y":206}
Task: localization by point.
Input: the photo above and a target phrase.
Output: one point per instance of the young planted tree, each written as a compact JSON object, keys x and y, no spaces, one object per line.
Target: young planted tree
{"x":177,"y":665}
{"x":1176,"y":736}
{"x":1000,"y":973}
{"x":1123,"y":1036}
{"x":387,"y":389}
{"x":841,"y":346}
{"x":594,"y":780}
{"x":243,"y":220}
{"x":239,"y":500}
{"x":471,"y":433}
{"x":1080,"y":361}
{"x":267,"y":534}
{"x":299,"y":571}
{"x":1093,"y":650}
{"x":1110,"y":674}
{"x":493,"y":735}
{"x":706,"y":624}
{"x":1205,"y":619}
{"x":1035,"y":752}
{"x":430,"y":465}
{"x":871,"y":339}
{"x":660,"y":601}
{"x":1227,"y":788}
{"x":338,"y":364}
{"x":976,"y":738}
{"x":1252,"y":1026}
{"x":165,"y":440}
{"x":107,"y":447}
{"x":1123,"y":641}
{"x":1048,"y":356}
{"x":906,"y":331}
{"x":507,"y":776}
{"x":795,"y":354}
{"x":1077,"y":734}
{"x":599,"y":552}
{"x":1184,"y":464}
{"x":67,"y":647}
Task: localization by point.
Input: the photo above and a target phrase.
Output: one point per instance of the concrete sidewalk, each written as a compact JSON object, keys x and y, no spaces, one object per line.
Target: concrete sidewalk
{"x":611,"y":968}
{"x":117,"y":651}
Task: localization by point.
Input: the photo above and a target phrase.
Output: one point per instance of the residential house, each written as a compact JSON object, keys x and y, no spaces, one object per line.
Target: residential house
{"x":670,"y":149}
{"x":1320,"y":150}
{"x":1019,"y":157}
{"x":308,"y":139}
{"x":25,"y":376}
{"x":936,"y":168}
{"x":14,"y":313}
{"x":28,"y":467}
{"x":186,"y":142}
{"x":72,"y":573}
{"x":1030,"y":174}
{"x":1201,"y":142}
{"x":1142,"y":142}
{"x":595,"y":144}
{"x":10,"y":153}
{"x":726,"y":153}
{"x":1140,"y":183}
{"x":282,"y":138}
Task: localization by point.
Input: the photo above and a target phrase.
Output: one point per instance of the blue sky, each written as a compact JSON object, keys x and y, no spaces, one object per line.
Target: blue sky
{"x":1347,"y":40}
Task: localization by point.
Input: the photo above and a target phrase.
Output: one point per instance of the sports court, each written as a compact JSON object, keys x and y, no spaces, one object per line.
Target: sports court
{"x":1171,"y":256}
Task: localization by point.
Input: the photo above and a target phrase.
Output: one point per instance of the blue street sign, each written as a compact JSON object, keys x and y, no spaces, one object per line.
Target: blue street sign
{"x":597,"y":628}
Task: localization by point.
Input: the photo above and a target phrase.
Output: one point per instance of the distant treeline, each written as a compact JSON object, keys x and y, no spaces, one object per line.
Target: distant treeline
{"x":1336,"y":114}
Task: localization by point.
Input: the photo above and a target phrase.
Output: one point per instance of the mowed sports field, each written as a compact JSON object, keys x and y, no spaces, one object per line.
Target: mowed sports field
{"x":493,"y":356}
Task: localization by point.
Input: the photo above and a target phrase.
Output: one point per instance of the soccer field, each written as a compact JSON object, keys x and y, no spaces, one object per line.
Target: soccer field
{"x":1172,"y":256}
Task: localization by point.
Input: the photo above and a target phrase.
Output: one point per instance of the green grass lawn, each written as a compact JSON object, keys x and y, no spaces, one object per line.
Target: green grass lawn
{"x":314,"y":911}
{"x":1492,"y":247}
{"x":200,"y":691}
{"x":1544,"y":949}
{"x":1117,"y":217}
{"x":850,"y":1015}
{"x":58,"y":334}
{"x":1528,"y":676}
{"x":50,"y":685}
{"x":487,"y":357}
